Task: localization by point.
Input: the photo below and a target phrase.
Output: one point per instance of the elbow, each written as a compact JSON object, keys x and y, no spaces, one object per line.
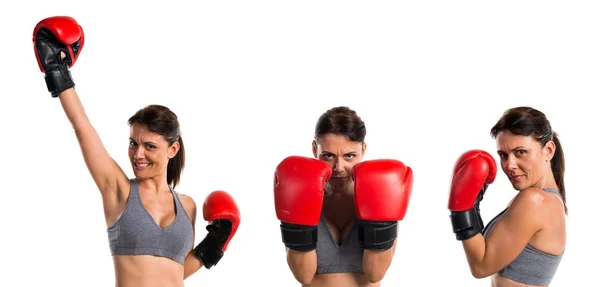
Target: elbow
{"x":304,"y":278}
{"x":374,"y":273}
{"x":303,"y":265}
{"x":374,"y":278}
{"x":479,"y":272}
{"x":376,"y":264}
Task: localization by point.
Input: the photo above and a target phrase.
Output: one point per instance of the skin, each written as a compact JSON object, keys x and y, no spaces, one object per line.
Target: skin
{"x":534,"y":216}
{"x":145,"y":148}
{"x":340,"y":216}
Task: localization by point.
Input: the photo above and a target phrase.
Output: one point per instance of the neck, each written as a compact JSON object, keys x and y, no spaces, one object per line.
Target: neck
{"x":339,"y":208}
{"x":546,"y":181}
{"x":157,"y":184}
{"x":339,"y":200}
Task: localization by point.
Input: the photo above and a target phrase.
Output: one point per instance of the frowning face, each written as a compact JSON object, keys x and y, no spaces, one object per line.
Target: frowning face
{"x":341,"y":154}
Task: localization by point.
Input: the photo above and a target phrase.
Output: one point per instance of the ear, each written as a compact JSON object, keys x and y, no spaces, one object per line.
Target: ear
{"x":173,"y":149}
{"x":314,"y":149}
{"x":364,"y":149}
{"x":549,"y":150}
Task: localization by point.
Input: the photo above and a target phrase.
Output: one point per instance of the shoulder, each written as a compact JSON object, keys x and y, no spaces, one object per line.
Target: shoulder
{"x":530,"y":204}
{"x":533,"y":197}
{"x":186,"y":199}
{"x":188,"y":204}
{"x":529,"y":199}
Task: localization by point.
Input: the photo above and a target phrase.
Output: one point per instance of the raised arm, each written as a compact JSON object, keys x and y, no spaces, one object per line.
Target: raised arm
{"x":57,"y":44}
{"x":473,"y":172}
{"x":382,"y":190}
{"x":299,"y":190}
{"x":510,"y":235}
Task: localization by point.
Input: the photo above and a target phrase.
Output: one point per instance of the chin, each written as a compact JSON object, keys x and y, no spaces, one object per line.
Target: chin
{"x":140,"y":175}
{"x":519,"y":186}
{"x":339,"y":184}
{"x":137,"y":175}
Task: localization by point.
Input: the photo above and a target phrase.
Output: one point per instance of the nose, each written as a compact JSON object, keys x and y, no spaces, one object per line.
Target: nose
{"x":511,"y":163}
{"x":139,"y":153}
{"x":338,"y":166}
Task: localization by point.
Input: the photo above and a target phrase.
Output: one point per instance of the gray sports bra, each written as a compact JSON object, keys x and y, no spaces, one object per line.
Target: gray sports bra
{"x":532,"y":266}
{"x":136,"y":232}
{"x":334,"y":258}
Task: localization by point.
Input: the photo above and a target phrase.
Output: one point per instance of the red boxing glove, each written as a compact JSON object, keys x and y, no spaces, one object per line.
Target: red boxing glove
{"x":223,"y":215}
{"x":473,"y":172}
{"x":52,"y":36}
{"x":299,"y":190}
{"x":382,"y":190}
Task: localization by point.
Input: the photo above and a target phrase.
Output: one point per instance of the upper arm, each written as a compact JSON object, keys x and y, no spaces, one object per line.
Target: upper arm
{"x":190,"y":208}
{"x":514,"y":230}
{"x":192,"y":262}
{"x":104,"y":170}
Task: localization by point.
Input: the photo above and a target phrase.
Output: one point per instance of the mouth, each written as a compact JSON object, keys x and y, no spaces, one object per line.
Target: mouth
{"x":515,"y":177}
{"x":338,"y":177}
{"x":141,"y":165}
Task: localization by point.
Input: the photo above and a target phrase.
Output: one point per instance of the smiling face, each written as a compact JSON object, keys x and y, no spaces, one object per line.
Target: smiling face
{"x":341,"y":154}
{"x":149,"y":152}
{"x":524,"y":160}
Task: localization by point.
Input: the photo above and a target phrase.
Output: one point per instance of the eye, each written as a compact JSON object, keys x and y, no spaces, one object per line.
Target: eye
{"x":502,"y":155}
{"x":327,"y":156}
{"x":132,"y":144}
{"x":349,"y":156}
{"x":150,"y":146}
{"x":521,"y":152}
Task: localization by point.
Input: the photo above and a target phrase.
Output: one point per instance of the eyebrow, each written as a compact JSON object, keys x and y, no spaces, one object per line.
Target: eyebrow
{"x":148,"y":142}
{"x":328,"y":152}
{"x":519,"y":147}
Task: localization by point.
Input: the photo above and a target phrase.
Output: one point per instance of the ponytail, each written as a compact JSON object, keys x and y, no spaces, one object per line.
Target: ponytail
{"x":175,"y":166}
{"x":558,"y":169}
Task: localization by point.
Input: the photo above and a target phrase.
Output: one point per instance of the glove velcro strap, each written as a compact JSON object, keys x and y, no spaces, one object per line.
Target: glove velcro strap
{"x":376,"y":235}
{"x":208,"y":252}
{"x":465,"y":224}
{"x":58,"y":80}
{"x":299,"y":237}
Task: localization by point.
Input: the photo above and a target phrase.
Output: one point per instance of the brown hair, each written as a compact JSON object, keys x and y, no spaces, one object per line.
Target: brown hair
{"x":161,"y":120}
{"x":527,"y":121}
{"x":341,"y":121}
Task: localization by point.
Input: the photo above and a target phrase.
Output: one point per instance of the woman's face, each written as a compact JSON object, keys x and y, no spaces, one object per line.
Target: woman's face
{"x":341,"y":154}
{"x":524,"y":161}
{"x":149,"y":152}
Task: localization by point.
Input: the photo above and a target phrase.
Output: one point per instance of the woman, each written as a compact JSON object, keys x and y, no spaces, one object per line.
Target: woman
{"x":330,"y":240}
{"x":524,"y":244}
{"x":150,"y":226}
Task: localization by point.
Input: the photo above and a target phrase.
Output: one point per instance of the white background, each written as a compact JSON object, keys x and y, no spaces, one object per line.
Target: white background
{"x":261,"y":73}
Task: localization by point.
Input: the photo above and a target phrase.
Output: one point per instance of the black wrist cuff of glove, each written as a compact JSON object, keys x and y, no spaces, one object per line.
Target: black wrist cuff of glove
{"x":58,"y":80}
{"x":466,"y":224}
{"x":299,"y":237}
{"x":377,"y":235}
{"x":208,"y":252}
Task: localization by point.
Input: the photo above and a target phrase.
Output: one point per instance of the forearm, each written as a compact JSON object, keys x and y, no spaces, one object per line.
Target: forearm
{"x":73,"y":109}
{"x":191,"y":265}
{"x":303,"y":265}
{"x":475,"y":252}
{"x":376,"y":263}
